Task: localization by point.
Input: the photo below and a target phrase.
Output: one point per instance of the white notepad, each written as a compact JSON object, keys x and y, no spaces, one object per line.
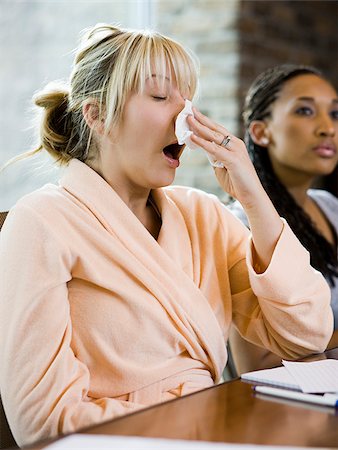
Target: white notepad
{"x":278,"y":376}
{"x":310,"y":377}
{"x":316,"y":376}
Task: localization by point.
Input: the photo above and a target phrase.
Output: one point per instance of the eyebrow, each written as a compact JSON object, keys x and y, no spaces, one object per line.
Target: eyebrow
{"x":311,"y":99}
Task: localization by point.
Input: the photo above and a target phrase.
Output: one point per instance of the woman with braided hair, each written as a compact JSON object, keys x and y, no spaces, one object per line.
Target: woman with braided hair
{"x":291,"y":121}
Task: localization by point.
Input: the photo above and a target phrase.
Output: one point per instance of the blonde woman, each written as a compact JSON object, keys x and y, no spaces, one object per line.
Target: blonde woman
{"x":117,"y":292}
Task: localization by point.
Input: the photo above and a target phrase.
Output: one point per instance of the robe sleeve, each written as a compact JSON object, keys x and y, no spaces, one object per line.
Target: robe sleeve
{"x":287,"y":308}
{"x":43,"y":384}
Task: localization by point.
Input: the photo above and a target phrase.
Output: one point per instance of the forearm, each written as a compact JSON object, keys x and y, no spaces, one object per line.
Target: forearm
{"x":266,"y":227}
{"x":289,"y":312}
{"x":248,"y":357}
{"x":238,"y":178}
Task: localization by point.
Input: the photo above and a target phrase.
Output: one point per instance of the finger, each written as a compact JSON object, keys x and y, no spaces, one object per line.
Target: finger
{"x":221,"y":154}
{"x":205,"y":132}
{"x":204,"y":120}
{"x":226,"y":141}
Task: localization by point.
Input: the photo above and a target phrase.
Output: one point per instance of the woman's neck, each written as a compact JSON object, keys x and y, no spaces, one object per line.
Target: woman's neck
{"x":296,"y":182}
{"x":137,"y":199}
{"x":299,"y":193}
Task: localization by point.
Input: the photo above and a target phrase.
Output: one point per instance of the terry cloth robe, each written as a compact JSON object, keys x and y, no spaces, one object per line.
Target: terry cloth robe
{"x":99,"y":319}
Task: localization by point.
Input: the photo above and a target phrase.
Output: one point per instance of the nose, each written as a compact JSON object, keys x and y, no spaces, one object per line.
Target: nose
{"x":326,"y":125}
{"x":178,"y":107}
{"x":180,"y":103}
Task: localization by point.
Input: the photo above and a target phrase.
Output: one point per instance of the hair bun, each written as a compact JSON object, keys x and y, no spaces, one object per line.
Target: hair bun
{"x":56,"y":128}
{"x":52,"y":96}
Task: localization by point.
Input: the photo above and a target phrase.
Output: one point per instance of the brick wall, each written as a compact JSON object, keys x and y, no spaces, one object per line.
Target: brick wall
{"x":271,"y":32}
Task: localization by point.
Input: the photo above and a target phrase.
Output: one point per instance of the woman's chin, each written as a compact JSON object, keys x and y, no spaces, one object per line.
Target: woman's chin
{"x":164,"y":180}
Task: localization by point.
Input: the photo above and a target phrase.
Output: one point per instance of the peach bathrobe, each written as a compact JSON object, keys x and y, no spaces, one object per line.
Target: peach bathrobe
{"x":98,"y":319}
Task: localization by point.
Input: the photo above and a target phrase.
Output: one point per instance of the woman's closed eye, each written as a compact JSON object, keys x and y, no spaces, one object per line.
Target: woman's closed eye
{"x":159,"y":97}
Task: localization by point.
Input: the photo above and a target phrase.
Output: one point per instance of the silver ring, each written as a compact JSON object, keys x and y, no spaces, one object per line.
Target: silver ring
{"x":225,"y":141}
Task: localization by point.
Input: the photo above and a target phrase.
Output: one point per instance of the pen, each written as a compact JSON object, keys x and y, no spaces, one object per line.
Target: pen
{"x":299,"y":396}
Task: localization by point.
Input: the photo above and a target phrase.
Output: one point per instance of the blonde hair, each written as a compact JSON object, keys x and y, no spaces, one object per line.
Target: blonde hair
{"x":110,"y":63}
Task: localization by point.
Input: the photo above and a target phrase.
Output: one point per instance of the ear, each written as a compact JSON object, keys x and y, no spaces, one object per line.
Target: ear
{"x":91,"y":114}
{"x":259,"y":133}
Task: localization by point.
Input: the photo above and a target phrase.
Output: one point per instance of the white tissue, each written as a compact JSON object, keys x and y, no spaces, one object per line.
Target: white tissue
{"x":183,"y":132}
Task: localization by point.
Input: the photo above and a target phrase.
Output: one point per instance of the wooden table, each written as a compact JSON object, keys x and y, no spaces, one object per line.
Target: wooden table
{"x":231,"y":412}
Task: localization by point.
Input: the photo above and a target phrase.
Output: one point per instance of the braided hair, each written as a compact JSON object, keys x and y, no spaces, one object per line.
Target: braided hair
{"x":261,"y":95}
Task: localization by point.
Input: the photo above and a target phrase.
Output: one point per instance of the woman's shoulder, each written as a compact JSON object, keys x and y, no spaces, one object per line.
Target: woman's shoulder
{"x":41,"y":199}
{"x":327,"y":201}
{"x":35,"y":217}
{"x":323,"y":194}
{"x":41,"y":205}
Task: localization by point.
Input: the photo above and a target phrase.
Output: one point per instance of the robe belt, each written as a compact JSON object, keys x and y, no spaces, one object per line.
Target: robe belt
{"x":171,"y":387}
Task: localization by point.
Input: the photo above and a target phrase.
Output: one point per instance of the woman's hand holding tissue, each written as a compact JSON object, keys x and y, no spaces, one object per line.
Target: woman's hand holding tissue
{"x":238,"y":177}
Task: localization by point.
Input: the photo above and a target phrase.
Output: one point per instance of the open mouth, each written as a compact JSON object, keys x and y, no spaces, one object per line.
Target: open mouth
{"x":173,"y":151}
